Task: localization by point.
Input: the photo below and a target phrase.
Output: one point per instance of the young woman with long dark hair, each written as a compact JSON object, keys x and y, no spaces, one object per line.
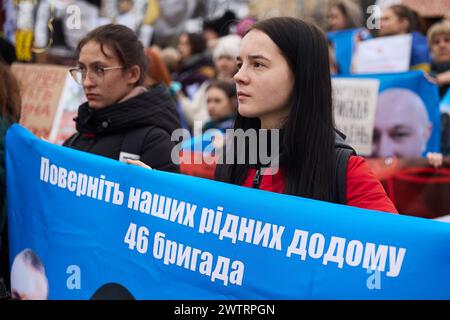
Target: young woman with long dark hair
{"x":284,"y":83}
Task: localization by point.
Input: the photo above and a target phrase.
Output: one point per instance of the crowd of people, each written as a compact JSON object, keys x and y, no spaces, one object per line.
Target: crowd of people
{"x":273,"y":74}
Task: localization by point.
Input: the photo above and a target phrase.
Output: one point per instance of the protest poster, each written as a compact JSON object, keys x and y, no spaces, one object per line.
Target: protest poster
{"x":354,"y":108}
{"x":50,"y":98}
{"x":41,"y":89}
{"x":93,"y":224}
{"x":343,"y":42}
{"x":407,"y":120}
{"x":383,"y":55}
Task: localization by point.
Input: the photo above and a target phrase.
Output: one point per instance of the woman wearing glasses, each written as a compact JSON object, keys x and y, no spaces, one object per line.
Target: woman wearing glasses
{"x":121,"y":119}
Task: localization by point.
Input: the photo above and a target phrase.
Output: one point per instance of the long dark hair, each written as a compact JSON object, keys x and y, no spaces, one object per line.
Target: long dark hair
{"x":307,"y":157}
{"x":123,"y":41}
{"x":351,"y":11}
{"x":197,"y":42}
{"x":415,"y":22}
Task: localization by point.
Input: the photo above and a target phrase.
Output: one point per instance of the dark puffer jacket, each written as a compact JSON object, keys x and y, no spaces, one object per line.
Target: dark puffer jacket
{"x":102,"y":131}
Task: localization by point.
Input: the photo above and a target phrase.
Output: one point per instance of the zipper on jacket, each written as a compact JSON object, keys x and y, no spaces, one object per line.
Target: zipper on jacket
{"x":257,"y":179}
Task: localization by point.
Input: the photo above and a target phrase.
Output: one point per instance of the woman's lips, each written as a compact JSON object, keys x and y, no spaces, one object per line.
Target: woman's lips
{"x":91,"y":96}
{"x":242,"y":95}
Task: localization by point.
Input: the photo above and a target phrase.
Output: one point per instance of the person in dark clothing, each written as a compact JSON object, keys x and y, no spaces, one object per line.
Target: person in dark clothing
{"x":10,"y":108}
{"x":439,"y":42}
{"x":7,"y":51}
{"x":121,"y":119}
{"x":221,"y":103}
{"x":196,"y":65}
{"x":220,"y":27}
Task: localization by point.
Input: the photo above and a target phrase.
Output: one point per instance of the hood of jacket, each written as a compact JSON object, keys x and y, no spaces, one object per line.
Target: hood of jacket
{"x":153,"y":107}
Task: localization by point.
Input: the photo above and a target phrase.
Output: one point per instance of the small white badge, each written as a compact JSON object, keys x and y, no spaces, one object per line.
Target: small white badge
{"x":125,"y":155}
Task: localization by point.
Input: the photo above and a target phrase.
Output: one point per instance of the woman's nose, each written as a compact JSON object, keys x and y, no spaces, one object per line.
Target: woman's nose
{"x":240,"y":76}
{"x":87,"y":81}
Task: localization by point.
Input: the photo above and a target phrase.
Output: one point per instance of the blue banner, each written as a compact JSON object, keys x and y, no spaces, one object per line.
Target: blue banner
{"x":344,"y":43}
{"x":91,"y":225}
{"x":420,"y":53}
{"x":402,"y":96}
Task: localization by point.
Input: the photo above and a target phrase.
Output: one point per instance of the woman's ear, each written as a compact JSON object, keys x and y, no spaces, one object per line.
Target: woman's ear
{"x":133,"y":74}
{"x":404,"y":23}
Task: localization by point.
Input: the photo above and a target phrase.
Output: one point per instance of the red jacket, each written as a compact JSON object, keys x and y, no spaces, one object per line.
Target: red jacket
{"x":362,"y":188}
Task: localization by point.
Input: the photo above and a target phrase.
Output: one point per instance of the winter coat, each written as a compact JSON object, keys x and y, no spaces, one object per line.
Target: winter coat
{"x":102,"y":131}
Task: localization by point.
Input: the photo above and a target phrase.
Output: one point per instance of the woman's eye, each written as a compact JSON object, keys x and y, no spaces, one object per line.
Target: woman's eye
{"x":98,"y":69}
{"x":258,"y":65}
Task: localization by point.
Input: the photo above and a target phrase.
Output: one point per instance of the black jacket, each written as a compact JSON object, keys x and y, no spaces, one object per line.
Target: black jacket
{"x":102,"y":131}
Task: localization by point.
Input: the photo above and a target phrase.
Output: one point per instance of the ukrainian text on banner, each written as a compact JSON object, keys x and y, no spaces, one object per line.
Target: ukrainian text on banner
{"x":95,"y":223}
{"x":407,"y":119}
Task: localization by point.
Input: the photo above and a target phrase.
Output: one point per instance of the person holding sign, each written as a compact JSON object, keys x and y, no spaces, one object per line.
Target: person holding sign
{"x":439,"y":41}
{"x":284,"y":83}
{"x":398,"y":20}
{"x":121,"y":119}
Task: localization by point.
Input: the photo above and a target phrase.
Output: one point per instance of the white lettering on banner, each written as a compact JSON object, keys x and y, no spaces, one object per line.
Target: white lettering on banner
{"x":276,"y":237}
{"x":298,"y":244}
{"x":316,"y":244}
{"x":220,"y":268}
{"x":246,"y":229}
{"x":100,"y":187}
{"x":162,"y":207}
{"x":137,"y":238}
{"x":71,"y":181}
{"x":183,"y":256}
{"x":195,"y":254}
{"x":262,"y":234}
{"x":354,"y":253}
{"x":92,"y":187}
{"x":241,"y":228}
{"x":80,"y":183}
{"x":395,"y":261}
{"x":330,"y":248}
{"x":170,"y":252}
{"x":206,"y":220}
{"x":373,"y":256}
{"x":238,"y":272}
{"x":229,"y":230}
{"x":205,"y":266}
{"x":62,"y":178}
{"x":335,"y":251}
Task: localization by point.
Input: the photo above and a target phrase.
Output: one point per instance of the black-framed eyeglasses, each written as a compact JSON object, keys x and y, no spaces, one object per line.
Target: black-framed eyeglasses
{"x":97,"y":73}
